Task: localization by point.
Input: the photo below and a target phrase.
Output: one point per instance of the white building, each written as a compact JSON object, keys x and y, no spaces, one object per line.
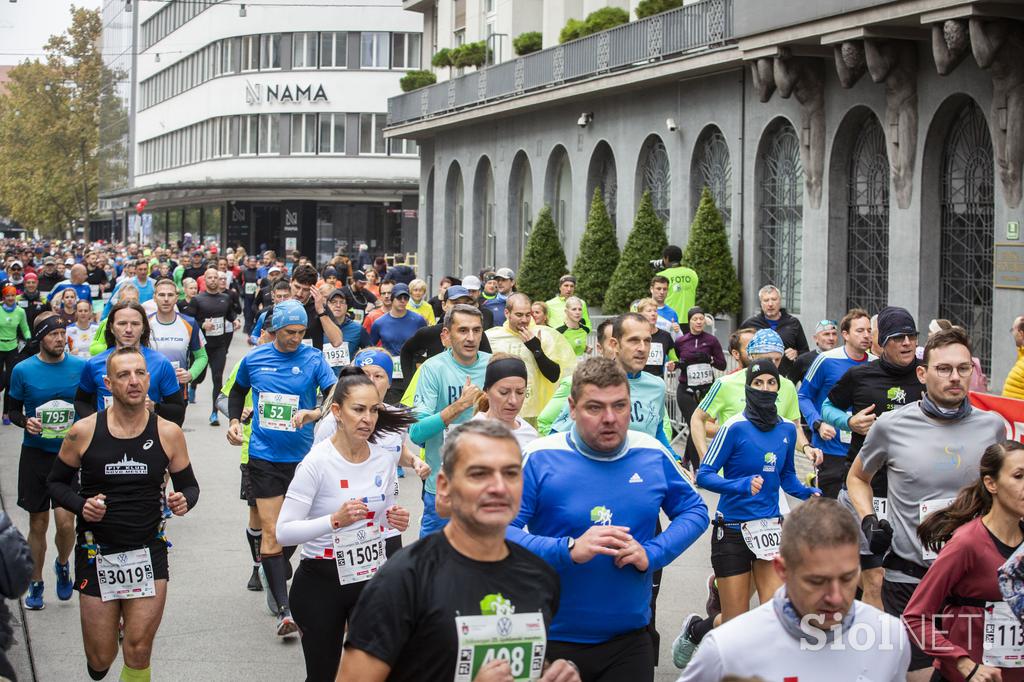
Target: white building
{"x":261,"y":123}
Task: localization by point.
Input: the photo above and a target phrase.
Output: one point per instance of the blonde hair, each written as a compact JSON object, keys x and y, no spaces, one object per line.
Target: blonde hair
{"x":418,"y":284}
{"x":646,"y":302}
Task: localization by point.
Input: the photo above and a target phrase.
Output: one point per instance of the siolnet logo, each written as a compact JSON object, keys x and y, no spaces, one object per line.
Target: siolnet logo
{"x":769,"y":461}
{"x":601,"y":515}
{"x":496,"y":605}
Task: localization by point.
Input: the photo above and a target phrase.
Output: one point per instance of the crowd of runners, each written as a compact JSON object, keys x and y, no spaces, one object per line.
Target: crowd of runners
{"x":563,"y":462}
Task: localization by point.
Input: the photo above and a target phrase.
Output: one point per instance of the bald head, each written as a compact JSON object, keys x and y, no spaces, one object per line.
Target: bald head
{"x":212,"y":276}
{"x":78,"y":273}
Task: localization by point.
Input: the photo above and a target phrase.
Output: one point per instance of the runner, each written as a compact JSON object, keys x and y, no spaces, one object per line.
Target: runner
{"x":353,"y":335}
{"x":659,"y":292}
{"x":282,"y":292}
{"x":699,"y":355}
{"x":418,"y":302}
{"x":773,"y":316}
{"x":575,"y":485}
{"x":794,"y":636}
{"x":826,"y":371}
{"x":826,"y":337}
{"x":448,"y":386}
{"x":957,"y":613}
{"x":176,"y":336}
{"x":426,"y":342}
{"x":755,"y":452}
{"x":76,"y":281}
{"x":503,"y":396}
{"x":41,"y":401}
{"x":13,"y":326}
{"x":31,"y":299}
{"x":384,"y":301}
{"x":942,"y":435}
{"x":392,"y":329}
{"x":360,"y":300}
{"x":214,"y":313}
{"x":284,"y":377}
{"x":250,"y":287}
{"x":128,"y":326}
{"x":574,"y":331}
{"x":557,"y":408}
{"x":344,"y":529}
{"x":432,"y":610}
{"x":121,"y":571}
{"x":82,"y":333}
{"x":662,"y":359}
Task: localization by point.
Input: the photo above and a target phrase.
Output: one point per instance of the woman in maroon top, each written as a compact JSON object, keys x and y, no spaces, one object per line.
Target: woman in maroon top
{"x":960,"y":592}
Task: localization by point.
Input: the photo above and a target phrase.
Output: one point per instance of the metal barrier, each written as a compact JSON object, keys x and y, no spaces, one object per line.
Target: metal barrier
{"x":696,"y":26}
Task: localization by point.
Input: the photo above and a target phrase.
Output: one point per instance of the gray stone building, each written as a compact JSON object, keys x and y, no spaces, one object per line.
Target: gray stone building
{"x":862,"y":152}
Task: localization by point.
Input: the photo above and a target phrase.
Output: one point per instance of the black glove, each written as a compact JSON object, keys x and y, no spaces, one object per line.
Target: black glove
{"x":878,"y":533}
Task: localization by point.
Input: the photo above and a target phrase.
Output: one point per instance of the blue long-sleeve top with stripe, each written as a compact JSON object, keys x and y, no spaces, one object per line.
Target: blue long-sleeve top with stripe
{"x":827,"y":369}
{"x":743,"y":451}
{"x":568,"y":488}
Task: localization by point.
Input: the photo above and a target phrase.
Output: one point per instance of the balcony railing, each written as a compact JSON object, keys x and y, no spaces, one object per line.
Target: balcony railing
{"x":697,"y":26}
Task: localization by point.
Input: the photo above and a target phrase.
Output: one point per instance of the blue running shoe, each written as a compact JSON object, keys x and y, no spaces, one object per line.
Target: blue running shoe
{"x":401,"y":472}
{"x":192,"y":395}
{"x":65,"y":588}
{"x":214,"y":421}
{"x":34,"y":598}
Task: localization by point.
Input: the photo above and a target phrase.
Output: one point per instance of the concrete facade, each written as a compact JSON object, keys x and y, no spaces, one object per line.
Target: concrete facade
{"x":510,"y":136}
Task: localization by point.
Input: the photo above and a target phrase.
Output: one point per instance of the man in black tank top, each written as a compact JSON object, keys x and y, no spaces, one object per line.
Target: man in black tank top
{"x":121,"y":553}
{"x":215,"y":313}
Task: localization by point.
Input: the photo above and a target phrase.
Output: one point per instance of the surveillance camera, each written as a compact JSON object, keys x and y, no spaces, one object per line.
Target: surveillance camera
{"x":670,"y":123}
{"x":584,"y":119}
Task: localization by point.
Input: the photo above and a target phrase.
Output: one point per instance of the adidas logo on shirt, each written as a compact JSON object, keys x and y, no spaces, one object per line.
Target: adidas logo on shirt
{"x":635,"y":478}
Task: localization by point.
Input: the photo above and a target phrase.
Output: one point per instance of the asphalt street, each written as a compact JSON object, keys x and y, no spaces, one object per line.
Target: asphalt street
{"x":213,"y":628}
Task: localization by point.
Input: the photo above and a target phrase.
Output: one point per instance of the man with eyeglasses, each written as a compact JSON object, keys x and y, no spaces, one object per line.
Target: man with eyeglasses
{"x":929,"y":449}
{"x":826,"y":337}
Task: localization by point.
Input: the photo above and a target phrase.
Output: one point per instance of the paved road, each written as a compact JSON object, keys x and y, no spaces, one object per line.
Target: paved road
{"x":213,"y":628}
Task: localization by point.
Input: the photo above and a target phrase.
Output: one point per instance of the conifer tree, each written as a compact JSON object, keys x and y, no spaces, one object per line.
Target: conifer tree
{"x":632,"y":276}
{"x":599,"y":254}
{"x":544,"y":260}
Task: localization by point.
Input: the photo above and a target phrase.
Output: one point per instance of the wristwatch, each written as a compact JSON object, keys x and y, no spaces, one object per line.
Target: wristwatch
{"x":572,"y":543}
{"x":816,"y":424}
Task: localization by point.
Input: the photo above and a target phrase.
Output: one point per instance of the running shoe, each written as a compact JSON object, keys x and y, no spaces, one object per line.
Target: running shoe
{"x":714,"y":603}
{"x":65,"y":588}
{"x":192,"y":395}
{"x":7,"y":422}
{"x":254,"y":581}
{"x":287,"y":570}
{"x":401,"y":472}
{"x":34,"y":598}
{"x":271,"y":601}
{"x":214,"y":421}
{"x":683,"y":647}
{"x":286,"y":624}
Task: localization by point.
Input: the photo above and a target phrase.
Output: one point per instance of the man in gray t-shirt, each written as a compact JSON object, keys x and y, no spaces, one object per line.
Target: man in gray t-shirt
{"x":929,"y":449}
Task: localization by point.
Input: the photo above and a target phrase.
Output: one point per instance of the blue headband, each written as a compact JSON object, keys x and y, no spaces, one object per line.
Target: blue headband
{"x":375,"y":356}
{"x":765,"y":341}
{"x":286,"y":313}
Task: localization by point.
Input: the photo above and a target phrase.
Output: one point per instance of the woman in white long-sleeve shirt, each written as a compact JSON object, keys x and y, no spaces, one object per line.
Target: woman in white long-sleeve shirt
{"x":341,"y":507}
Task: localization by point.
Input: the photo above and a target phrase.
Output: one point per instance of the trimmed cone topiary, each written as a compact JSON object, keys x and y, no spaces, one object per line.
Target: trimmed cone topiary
{"x":632,"y":277}
{"x":709,"y":255}
{"x":544,"y":260}
{"x":599,"y":254}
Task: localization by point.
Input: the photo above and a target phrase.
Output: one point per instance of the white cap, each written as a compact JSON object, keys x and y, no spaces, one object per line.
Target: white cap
{"x":472,"y":283}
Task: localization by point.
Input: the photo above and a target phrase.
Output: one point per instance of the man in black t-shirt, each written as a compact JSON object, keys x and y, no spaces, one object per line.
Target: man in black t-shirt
{"x":215,"y":314}
{"x":463,"y":603}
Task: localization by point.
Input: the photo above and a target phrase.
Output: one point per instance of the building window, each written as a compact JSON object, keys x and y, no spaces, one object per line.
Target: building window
{"x":715,"y":170}
{"x":269,"y":141}
{"x":967,"y":209}
{"x":333,"y":50}
{"x":304,"y":50}
{"x":332,"y":133}
{"x":656,"y":178}
{"x":781,"y":209}
{"x":403,"y":147}
{"x":373,"y":50}
{"x":247,"y":134}
{"x":867,"y":216}
{"x":224,"y":136}
{"x":371,"y":134}
{"x":227,"y":48}
{"x":270,"y":51}
{"x":303,"y":133}
{"x":250,"y":53}
{"x":405,"y":50}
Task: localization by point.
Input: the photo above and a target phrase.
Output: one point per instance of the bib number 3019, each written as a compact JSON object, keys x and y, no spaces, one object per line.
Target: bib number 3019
{"x":763,"y":537}
{"x":125,"y":575}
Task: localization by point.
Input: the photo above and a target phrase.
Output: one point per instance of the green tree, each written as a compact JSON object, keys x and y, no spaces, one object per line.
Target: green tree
{"x":571,"y":31}
{"x":544,"y":260}
{"x":647,"y":8}
{"x":708,"y":254}
{"x":528,"y":42}
{"x":49,"y":129}
{"x":604,"y":19}
{"x":414,"y":80}
{"x":442,"y":58}
{"x":632,"y":276}
{"x":599,"y":254}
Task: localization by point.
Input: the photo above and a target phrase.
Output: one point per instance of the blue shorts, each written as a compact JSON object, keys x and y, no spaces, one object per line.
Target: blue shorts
{"x":431,"y":521}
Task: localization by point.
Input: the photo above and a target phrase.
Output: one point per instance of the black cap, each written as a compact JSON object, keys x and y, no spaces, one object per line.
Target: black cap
{"x":695,"y":310}
{"x":894,"y":322}
{"x":761,"y":366}
{"x":358,"y":276}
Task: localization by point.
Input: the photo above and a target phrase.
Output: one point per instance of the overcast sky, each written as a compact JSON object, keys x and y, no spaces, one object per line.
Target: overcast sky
{"x":26,"y":25}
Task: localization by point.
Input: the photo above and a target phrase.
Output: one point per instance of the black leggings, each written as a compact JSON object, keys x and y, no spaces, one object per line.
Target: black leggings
{"x":217,"y":357}
{"x":321,"y":608}
{"x":626,"y":657}
{"x":688,"y":401}
{"x":7,"y":360}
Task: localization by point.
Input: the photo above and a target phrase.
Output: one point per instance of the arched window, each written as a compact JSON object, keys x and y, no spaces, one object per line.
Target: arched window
{"x":968,"y":229}
{"x":455,"y":216}
{"x":867,"y":211}
{"x":714,"y":171}
{"x":656,"y":177}
{"x":520,"y":205}
{"x":603,"y":176}
{"x":780,"y":212}
{"x":563,"y":198}
{"x":427,"y":247}
{"x":483,"y":212}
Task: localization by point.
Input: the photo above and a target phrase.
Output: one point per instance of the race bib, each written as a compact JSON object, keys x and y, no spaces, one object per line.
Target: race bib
{"x":125,"y":575}
{"x":358,"y":314}
{"x":396,"y":373}
{"x":23,"y":303}
{"x":1003,"y":645}
{"x":519,"y":638}
{"x":763,"y":537}
{"x":927,"y":507}
{"x":216,"y":326}
{"x":336,"y":356}
{"x":277,"y":410}
{"x":176,"y":364}
{"x":359,"y":553}
{"x":94,"y":290}
{"x":881,"y":507}
{"x":250,"y":288}
{"x":57,"y":417}
{"x":699,"y":374}
{"x":845,"y":436}
{"x":657,"y":354}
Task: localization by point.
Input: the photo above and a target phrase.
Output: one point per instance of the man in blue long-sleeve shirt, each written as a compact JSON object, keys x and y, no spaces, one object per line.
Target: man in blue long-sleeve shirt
{"x":827,"y":369}
{"x":591,"y":499}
